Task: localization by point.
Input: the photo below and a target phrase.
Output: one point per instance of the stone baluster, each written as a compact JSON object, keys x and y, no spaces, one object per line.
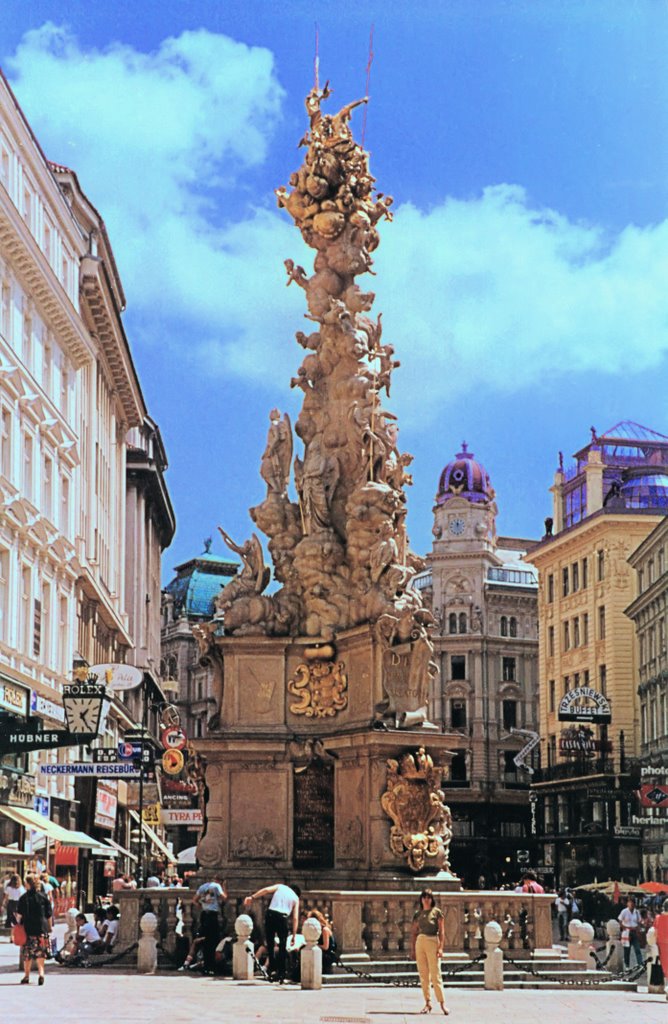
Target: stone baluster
{"x":375,"y":929}
{"x":171,"y":920}
{"x":394,"y":925}
{"x":311,"y":955}
{"x":493,"y":934}
{"x":187,"y":916}
{"x":541,"y":925}
{"x":243,"y":967}
{"x":147,"y":953}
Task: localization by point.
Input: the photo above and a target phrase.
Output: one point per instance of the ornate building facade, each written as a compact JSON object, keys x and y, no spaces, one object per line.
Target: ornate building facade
{"x":483,"y":595}
{"x":85,"y":513}
{"x":604,"y":506}
{"x":648,"y":612}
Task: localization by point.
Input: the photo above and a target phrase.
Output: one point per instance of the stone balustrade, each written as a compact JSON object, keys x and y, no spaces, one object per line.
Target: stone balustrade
{"x":373,"y":924}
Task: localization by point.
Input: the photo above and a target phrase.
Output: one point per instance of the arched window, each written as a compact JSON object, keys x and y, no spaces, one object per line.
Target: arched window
{"x":462,"y":622}
{"x":513,"y":626}
{"x":504,"y":626}
{"x":452,"y":622}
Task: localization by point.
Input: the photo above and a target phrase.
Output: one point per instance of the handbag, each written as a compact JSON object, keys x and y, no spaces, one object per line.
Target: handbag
{"x":19,"y":937}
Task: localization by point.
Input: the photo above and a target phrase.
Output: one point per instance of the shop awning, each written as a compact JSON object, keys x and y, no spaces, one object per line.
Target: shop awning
{"x":121,"y":849}
{"x":148,"y":831}
{"x":38,"y":823}
{"x":8,"y":851}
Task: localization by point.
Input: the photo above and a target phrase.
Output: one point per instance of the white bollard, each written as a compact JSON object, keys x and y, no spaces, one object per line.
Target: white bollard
{"x":616,"y":962}
{"x":243,"y":967}
{"x":311,"y":955}
{"x":573,"y":948}
{"x":494,"y":960}
{"x":147,"y":954}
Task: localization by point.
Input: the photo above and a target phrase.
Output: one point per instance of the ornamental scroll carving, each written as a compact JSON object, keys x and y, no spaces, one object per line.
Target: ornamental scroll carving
{"x":321,"y":687}
{"x":422,"y":827}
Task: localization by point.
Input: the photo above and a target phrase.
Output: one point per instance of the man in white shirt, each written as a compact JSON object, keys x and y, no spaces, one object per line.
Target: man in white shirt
{"x":111,"y":930}
{"x":629,"y":919}
{"x":88,"y":938}
{"x":282,"y":916}
{"x":561,"y":905}
{"x":210,"y":897}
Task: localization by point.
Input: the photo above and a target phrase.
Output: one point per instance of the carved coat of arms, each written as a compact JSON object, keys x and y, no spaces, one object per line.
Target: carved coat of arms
{"x":422,"y":827}
{"x":321,"y":687}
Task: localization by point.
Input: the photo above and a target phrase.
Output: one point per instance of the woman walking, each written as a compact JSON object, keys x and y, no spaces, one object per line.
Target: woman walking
{"x":35,"y":913}
{"x":427,"y":941}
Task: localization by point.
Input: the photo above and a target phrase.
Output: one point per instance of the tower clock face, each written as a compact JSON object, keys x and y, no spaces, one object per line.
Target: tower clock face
{"x":456,"y":526}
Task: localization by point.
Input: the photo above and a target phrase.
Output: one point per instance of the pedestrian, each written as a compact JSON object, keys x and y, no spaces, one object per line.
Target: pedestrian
{"x":210,"y":897}
{"x":427,"y":941}
{"x":327,"y":941}
{"x":111,"y":930}
{"x":529,"y":883}
{"x":282,"y":916}
{"x":14,"y":890}
{"x":629,"y":918}
{"x":562,"y":904}
{"x":35,"y":913}
{"x":88,"y":939}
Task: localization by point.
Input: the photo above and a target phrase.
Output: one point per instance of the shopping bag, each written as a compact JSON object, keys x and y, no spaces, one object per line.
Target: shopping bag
{"x":19,"y":937}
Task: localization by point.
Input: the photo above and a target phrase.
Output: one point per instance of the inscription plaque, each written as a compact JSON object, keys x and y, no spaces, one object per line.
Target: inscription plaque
{"x":314,"y":817}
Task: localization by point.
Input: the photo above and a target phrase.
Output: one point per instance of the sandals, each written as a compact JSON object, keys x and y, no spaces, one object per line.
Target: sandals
{"x":426,"y":1008}
{"x":445,"y":1009}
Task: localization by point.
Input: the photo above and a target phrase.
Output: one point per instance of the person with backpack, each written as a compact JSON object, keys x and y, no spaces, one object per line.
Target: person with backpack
{"x":35,"y":913}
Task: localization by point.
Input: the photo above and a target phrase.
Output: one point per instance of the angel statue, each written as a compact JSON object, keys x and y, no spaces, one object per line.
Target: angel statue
{"x":277,"y":457}
{"x":254,"y":575}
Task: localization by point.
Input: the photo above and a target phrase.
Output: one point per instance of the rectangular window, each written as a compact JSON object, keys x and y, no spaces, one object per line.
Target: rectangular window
{"x":600,"y":562}
{"x":4,"y":595}
{"x":585,"y":628}
{"x":567,"y":684}
{"x":509,"y":715}
{"x":509,"y":766}
{"x":458,"y":666}
{"x":6,"y":312}
{"x":64,"y":505}
{"x":564,"y":582}
{"x":48,"y":243}
{"x":662,"y":636}
{"x":585,"y":579}
{"x":458,"y":714}
{"x":567,"y":636}
{"x":64,"y":391}
{"x":47,"y":487}
{"x":643,"y":723}
{"x":575,"y":577}
{"x":46,"y":623}
{"x":27,"y":207}
{"x":576,"y":632}
{"x":550,"y":641}
{"x":650,"y":571}
{"x":6,"y":443}
{"x":602,"y":679}
{"x":586,"y":677}
{"x":26,"y":617}
{"x":553,"y":695}
{"x":47,"y":365}
{"x":37,"y":628}
{"x":509,"y":670}
{"x":550,"y":588}
{"x":28,"y":467}
{"x":601,"y":622}
{"x":63,"y":639}
{"x":27,"y":340}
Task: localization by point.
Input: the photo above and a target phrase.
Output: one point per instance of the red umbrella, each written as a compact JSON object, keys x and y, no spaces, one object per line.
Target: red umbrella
{"x":654,"y":887}
{"x":616,"y":897}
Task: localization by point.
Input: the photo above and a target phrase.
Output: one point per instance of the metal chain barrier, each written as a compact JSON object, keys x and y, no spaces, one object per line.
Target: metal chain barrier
{"x":631,"y":974}
{"x":379,"y":979}
{"x":601,"y":964}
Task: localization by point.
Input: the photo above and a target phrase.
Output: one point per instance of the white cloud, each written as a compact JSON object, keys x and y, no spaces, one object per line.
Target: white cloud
{"x":489,"y":289}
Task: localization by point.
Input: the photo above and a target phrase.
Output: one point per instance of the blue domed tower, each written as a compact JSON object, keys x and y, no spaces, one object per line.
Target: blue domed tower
{"x":465,"y":510}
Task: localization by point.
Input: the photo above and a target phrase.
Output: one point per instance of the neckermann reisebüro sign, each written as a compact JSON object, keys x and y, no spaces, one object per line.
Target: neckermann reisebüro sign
{"x":584,"y":704}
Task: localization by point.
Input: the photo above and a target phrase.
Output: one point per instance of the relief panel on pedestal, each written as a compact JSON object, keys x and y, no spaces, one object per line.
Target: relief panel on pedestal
{"x":259,"y":690}
{"x":258,"y":814}
{"x":351,"y":813}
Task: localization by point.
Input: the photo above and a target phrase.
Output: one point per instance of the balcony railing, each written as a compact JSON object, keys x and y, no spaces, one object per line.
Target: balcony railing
{"x":574,"y":770}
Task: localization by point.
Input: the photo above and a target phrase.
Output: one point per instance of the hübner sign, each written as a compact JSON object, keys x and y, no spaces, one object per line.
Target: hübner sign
{"x":584,"y":704}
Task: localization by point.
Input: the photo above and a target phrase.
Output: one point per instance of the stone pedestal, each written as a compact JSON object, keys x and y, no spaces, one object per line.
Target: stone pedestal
{"x":494,"y":961}
{"x":296,"y":769}
{"x":147,"y":952}
{"x":243,"y":967}
{"x":311,"y":955}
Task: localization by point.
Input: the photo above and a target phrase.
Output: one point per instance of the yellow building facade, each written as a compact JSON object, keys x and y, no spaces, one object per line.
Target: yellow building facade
{"x":604,"y":506}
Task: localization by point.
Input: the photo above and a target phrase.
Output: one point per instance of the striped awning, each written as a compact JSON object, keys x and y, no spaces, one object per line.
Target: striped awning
{"x":38,"y":823}
{"x":155,"y":839}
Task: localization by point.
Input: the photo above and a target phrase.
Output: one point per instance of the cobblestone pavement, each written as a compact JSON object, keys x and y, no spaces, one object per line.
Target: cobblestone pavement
{"x":184,"y":999}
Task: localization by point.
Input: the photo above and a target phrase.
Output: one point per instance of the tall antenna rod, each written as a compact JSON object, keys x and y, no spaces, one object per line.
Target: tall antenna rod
{"x":368,"y":78}
{"x":316,"y":60}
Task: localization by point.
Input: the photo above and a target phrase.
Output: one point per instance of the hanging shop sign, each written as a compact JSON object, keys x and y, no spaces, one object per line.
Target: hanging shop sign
{"x":151,"y":815}
{"x":106,"y":803}
{"x":584,"y":704}
{"x":119,"y":677}
{"x":626,"y":831}
{"x":22,"y":738}
{"x":83,"y":706}
{"x":46,"y":708}
{"x":190,"y":817}
{"x":16,"y":788}
{"x":99,"y":771}
{"x":14,"y":698}
{"x":173,"y":738}
{"x":173,"y":762}
{"x":150,"y":794}
{"x":653,"y":794}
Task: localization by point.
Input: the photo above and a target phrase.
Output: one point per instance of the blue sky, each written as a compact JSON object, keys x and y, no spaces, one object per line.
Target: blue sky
{"x":522,"y":282}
